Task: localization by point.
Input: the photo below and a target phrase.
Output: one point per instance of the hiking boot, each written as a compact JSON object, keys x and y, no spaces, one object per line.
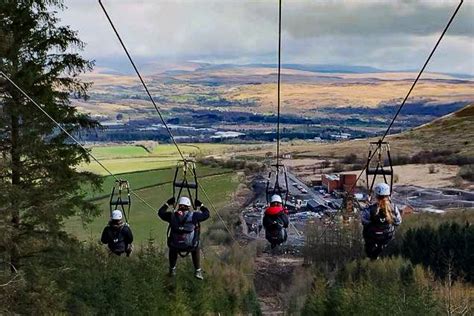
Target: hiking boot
{"x":172,"y":272}
{"x":198,"y":274}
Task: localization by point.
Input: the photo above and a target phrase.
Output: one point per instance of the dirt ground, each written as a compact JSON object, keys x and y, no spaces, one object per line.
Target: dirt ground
{"x":420,"y":175}
{"x":413,"y":174}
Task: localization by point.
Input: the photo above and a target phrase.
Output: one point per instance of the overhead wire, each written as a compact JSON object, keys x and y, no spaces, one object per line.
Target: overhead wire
{"x":278,"y":85}
{"x":279,"y":104}
{"x":405,"y":99}
{"x":157,"y":109}
{"x":88,"y":152}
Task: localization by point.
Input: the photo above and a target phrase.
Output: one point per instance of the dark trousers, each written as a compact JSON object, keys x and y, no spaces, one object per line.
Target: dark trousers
{"x":374,"y":246}
{"x":196,"y":256}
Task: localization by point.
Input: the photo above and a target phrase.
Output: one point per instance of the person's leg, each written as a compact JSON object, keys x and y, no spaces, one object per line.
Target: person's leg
{"x":129,"y":250}
{"x":370,"y":248}
{"x":173,"y":259}
{"x":196,"y":256}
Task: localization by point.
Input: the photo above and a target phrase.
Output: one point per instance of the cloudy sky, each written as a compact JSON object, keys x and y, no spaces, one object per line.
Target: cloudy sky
{"x":391,"y":34}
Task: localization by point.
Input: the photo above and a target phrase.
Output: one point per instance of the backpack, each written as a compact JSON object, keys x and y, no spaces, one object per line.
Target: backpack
{"x":183,"y":234}
{"x":275,"y":233}
{"x":379,"y":230}
{"x":116,"y":240}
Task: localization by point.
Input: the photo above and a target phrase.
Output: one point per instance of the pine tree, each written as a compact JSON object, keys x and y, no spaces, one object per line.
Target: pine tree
{"x":40,"y":186}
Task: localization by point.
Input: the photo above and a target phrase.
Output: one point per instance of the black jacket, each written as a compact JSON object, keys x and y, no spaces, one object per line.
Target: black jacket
{"x":282,"y":218}
{"x":198,"y":216}
{"x":117,"y":236}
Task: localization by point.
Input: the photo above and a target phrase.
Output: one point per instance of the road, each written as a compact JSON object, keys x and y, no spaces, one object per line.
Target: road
{"x":318,"y":197}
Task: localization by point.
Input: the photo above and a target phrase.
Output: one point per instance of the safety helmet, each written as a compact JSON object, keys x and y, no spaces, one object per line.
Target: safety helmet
{"x":276,"y":198}
{"x":382,"y":189}
{"x":184,"y":201}
{"x":116,"y":215}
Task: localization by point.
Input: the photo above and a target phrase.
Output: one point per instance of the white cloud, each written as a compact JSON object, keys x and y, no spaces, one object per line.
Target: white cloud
{"x":386,"y":34}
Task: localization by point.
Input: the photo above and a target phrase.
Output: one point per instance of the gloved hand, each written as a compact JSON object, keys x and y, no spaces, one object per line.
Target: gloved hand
{"x":171,"y":201}
{"x":197,"y":203}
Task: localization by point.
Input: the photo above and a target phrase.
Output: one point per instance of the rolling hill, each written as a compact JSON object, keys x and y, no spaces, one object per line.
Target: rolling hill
{"x":453,"y":133}
{"x":305,"y":88}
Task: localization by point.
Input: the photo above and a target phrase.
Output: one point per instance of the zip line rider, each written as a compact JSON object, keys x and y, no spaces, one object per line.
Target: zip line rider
{"x":379,"y":220}
{"x":275,"y":221}
{"x":184,"y":231}
{"x":117,"y":235}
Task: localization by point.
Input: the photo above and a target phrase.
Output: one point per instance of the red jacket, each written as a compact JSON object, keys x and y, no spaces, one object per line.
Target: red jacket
{"x":275,"y":210}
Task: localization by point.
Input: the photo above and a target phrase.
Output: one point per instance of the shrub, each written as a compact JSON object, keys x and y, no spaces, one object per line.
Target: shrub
{"x":432,"y":169}
{"x":374,"y":288}
{"x":338,"y":167}
{"x":467,"y":172}
{"x":349,"y":159}
{"x":325,"y":164}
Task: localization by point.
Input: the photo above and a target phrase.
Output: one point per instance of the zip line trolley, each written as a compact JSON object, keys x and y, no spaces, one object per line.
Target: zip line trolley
{"x":277,"y":183}
{"x":120,"y":198}
{"x":185,"y":178}
{"x":379,"y":163}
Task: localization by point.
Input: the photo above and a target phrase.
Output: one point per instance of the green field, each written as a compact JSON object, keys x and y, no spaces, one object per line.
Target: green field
{"x":119,"y":151}
{"x":150,"y":176}
{"x":147,"y":178}
{"x":129,"y":158}
{"x":143,"y":220}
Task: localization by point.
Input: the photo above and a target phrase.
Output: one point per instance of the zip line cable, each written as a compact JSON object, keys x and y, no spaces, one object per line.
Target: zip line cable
{"x":141,"y":79}
{"x":406,"y":98}
{"x":411,"y":88}
{"x":71,"y":136}
{"x":278,"y":85}
{"x":160,"y":115}
{"x":278,"y":103}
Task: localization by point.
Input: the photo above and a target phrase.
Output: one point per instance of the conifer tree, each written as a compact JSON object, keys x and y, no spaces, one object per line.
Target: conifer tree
{"x":39,"y":186}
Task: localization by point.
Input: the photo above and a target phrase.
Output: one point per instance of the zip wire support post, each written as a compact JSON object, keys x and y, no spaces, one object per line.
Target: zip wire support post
{"x":382,"y":166}
{"x":277,"y":183}
{"x":120,"y":198}
{"x":185,"y":178}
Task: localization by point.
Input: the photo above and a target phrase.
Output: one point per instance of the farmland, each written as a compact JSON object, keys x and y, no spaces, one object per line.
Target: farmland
{"x":136,"y":157}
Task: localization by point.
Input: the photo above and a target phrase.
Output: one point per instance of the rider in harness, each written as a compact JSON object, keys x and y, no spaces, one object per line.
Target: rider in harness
{"x":379,"y":220}
{"x":275,"y":221}
{"x":118,"y":235}
{"x":183,"y":231}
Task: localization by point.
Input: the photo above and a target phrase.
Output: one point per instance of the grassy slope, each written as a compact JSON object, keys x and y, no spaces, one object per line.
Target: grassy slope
{"x":139,"y":167}
{"x":142,"y":179}
{"x":129,"y":158}
{"x":453,"y":132}
{"x":144,"y":222}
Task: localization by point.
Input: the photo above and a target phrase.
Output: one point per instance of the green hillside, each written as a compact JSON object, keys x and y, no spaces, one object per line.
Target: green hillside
{"x":453,"y":132}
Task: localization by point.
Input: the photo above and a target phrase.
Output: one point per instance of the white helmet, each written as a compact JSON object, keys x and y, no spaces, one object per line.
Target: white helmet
{"x":184,"y":201}
{"x":276,"y":198}
{"x":382,"y":189}
{"x":116,"y":215}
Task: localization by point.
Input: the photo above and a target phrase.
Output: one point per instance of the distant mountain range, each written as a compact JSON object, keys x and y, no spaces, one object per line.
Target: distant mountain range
{"x":305,"y":67}
{"x":149,"y":66}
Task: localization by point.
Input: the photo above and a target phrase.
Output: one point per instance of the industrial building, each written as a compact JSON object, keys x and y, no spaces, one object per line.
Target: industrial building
{"x":342,"y":182}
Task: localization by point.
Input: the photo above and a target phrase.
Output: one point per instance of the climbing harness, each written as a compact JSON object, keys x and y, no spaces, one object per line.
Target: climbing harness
{"x":183,"y":234}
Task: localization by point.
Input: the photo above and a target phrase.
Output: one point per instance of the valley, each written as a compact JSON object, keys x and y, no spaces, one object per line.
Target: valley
{"x":222,"y":103}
